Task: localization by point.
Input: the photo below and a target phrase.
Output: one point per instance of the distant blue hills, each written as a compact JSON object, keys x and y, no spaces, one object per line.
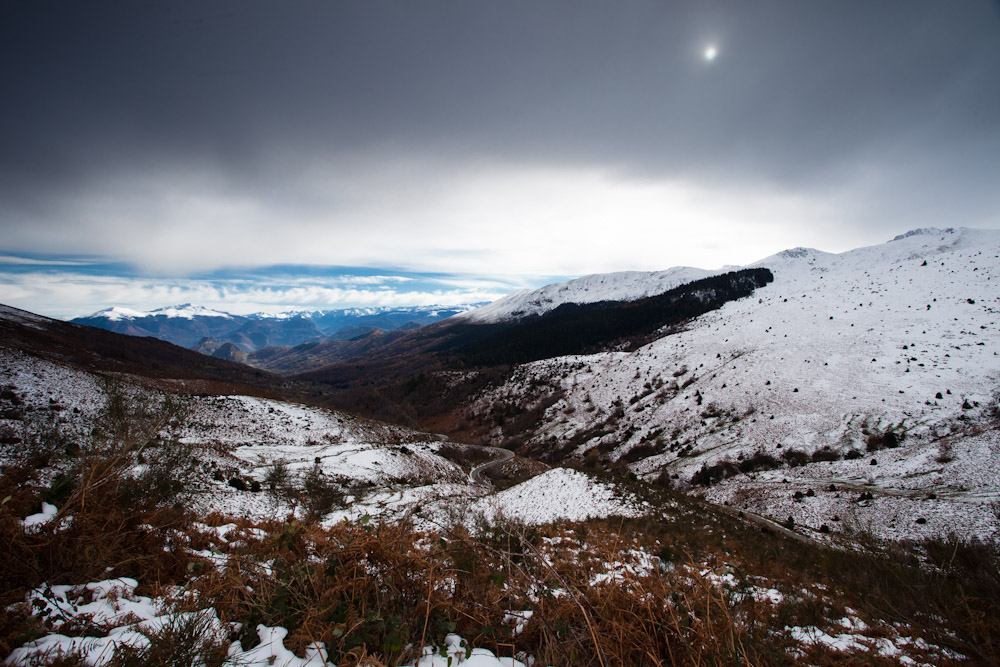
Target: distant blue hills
{"x":208,"y":330}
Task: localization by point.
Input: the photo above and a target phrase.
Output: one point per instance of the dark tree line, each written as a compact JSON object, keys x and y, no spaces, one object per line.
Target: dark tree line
{"x":588,"y":328}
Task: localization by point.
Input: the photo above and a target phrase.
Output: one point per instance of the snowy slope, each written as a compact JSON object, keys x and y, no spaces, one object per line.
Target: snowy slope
{"x":622,"y":286}
{"x":838,"y":348}
{"x":239,"y":436}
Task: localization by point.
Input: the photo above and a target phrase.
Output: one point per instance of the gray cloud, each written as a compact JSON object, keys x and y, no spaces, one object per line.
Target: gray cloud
{"x":242,"y":127}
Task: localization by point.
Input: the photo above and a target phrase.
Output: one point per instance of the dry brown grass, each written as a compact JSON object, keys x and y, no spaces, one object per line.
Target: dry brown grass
{"x":375,"y":594}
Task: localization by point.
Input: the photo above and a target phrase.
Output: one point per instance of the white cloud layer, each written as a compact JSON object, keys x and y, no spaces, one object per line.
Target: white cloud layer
{"x":486,"y":219}
{"x":69,"y":295}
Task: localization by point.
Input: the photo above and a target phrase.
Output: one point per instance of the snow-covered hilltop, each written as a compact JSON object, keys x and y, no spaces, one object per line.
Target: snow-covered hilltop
{"x":621,"y":286}
{"x":843,"y":354}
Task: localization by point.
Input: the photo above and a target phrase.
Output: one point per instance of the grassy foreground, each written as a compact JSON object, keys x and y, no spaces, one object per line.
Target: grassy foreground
{"x":688,"y":585}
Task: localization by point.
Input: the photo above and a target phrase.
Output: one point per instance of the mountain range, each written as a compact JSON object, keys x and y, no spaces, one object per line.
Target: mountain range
{"x":210,"y":331}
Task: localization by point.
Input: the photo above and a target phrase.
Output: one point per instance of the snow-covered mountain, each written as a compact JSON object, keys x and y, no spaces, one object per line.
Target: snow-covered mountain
{"x":819,"y":375}
{"x":207,"y":330}
{"x":621,"y":286}
{"x":185,"y":311}
{"x":183,"y":325}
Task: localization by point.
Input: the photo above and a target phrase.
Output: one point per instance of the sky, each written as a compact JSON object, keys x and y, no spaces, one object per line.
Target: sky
{"x":252,"y":155}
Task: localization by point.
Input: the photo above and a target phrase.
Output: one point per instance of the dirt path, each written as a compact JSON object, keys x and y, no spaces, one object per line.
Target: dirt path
{"x":476,"y":476}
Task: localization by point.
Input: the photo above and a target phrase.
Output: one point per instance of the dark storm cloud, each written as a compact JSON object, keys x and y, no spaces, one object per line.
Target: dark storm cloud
{"x":896,"y":102}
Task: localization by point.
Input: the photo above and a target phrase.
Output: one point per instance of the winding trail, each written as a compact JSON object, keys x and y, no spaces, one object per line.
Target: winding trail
{"x":476,"y":475}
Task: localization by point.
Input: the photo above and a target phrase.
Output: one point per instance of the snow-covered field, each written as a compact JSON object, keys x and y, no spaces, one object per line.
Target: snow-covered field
{"x":386,"y":472}
{"x":901,"y":337}
{"x":240,"y":436}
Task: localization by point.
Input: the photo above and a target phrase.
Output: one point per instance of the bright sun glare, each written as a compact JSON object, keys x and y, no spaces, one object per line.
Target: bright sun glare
{"x":710,"y":53}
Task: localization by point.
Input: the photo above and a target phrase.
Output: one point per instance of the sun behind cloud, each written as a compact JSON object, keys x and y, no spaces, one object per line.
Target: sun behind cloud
{"x":710,"y":53}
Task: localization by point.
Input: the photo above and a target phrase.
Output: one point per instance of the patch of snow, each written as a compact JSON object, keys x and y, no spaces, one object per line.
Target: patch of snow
{"x":457,"y":652}
{"x":560,"y":494}
{"x":857,"y":643}
{"x":22,"y":317}
{"x":34,"y":521}
{"x":272,"y":651}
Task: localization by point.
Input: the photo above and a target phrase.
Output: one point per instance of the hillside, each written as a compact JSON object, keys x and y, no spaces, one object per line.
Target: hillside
{"x":879,"y":364}
{"x":420,"y":378}
{"x":108,"y":352}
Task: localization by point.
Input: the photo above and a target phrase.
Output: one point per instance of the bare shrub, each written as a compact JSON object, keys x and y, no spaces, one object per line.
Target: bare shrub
{"x":188,"y":640}
{"x":795,"y":457}
{"x":888,"y":439}
{"x":319,"y":493}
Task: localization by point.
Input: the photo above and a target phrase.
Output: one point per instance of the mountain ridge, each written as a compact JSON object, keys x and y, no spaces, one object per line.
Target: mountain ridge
{"x":191,"y":325}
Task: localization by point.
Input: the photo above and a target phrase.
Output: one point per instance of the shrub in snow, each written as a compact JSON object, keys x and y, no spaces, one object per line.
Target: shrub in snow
{"x":708,"y":475}
{"x":320,"y":493}
{"x":825,"y":454}
{"x":887,"y":440}
{"x":664,"y":479}
{"x":759,"y":461}
{"x":279,"y":479}
{"x":795,"y":457}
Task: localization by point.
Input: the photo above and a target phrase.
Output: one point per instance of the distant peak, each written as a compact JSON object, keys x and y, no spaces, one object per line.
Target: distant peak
{"x":116,"y":313}
{"x":925,"y":231}
{"x":188,"y":311}
{"x":798,"y":253}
